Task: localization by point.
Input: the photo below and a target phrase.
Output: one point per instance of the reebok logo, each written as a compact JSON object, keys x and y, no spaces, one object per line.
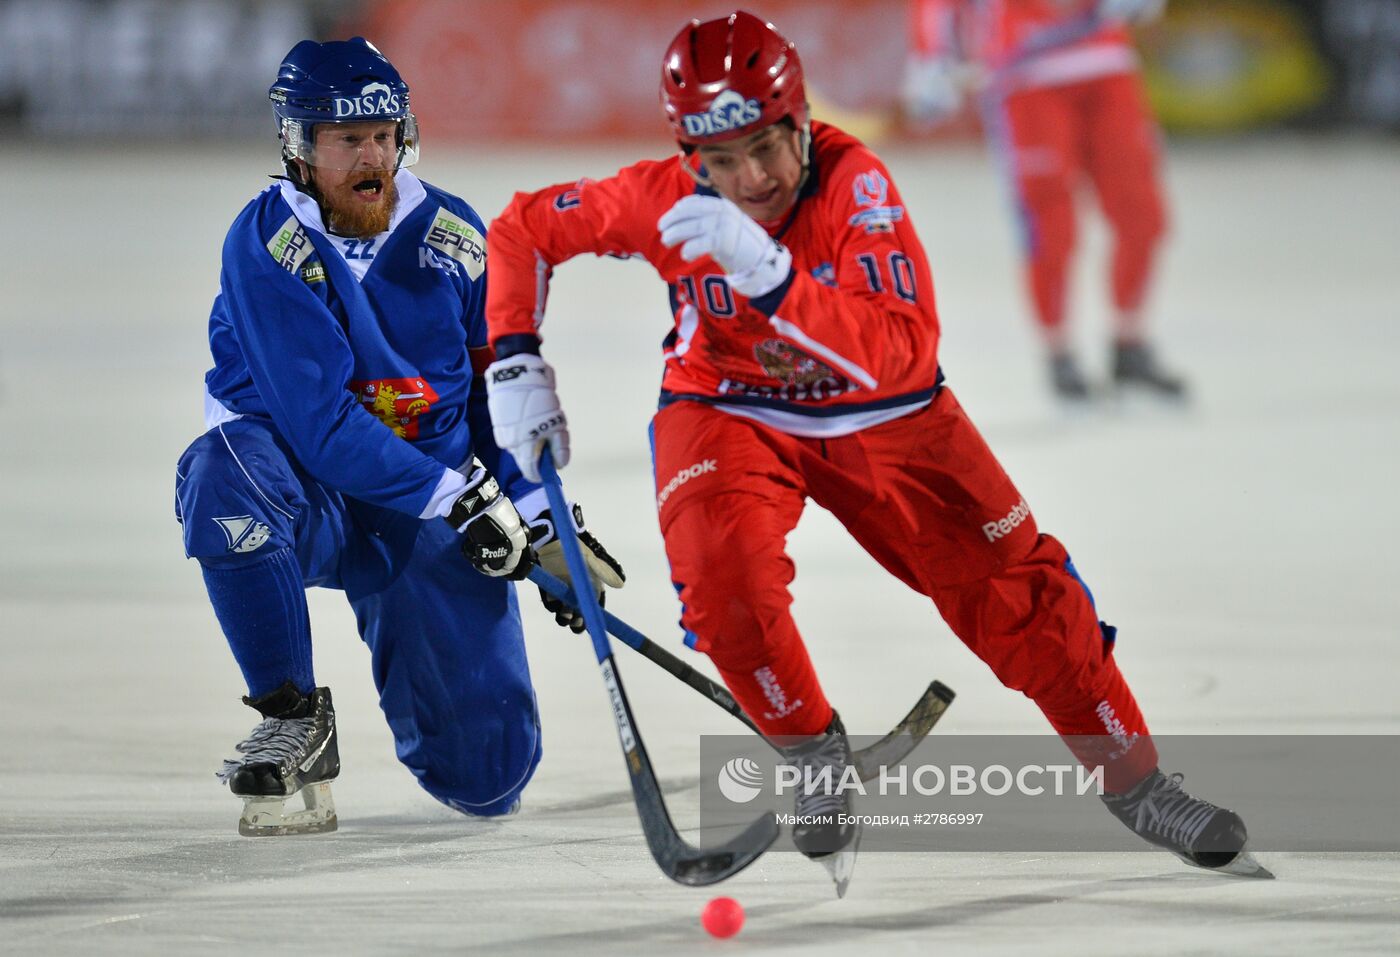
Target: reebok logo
{"x":1004,"y":526}
{"x":683,"y":476}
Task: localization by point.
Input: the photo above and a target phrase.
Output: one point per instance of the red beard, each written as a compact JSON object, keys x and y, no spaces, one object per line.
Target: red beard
{"x":348,"y":215}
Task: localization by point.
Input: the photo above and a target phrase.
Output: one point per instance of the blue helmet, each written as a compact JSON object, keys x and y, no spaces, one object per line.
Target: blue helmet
{"x":342,"y":81}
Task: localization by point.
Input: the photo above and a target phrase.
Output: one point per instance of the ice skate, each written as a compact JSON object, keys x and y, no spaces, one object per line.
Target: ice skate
{"x":820,"y":831}
{"x":291,"y":755}
{"x":1135,"y":367}
{"x":1067,"y":380}
{"x":1160,"y":812}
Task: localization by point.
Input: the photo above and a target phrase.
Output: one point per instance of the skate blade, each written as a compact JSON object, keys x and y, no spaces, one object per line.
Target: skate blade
{"x":269,"y":817}
{"x":1137,"y":397}
{"x":1244,"y":864}
{"x":1075,"y":407}
{"x":842,"y":865}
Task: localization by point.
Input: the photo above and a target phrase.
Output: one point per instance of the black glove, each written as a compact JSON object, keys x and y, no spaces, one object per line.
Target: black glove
{"x":602,"y":567}
{"x":496,"y":541}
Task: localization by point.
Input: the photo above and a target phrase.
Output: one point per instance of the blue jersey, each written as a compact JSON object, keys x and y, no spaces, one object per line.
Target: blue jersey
{"x":358,"y":351}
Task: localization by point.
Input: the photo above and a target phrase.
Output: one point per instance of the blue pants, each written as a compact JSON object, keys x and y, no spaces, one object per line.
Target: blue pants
{"x":446,"y":645}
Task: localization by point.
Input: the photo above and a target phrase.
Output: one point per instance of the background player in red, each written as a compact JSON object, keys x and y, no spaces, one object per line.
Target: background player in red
{"x":1062,"y":101}
{"x":802,"y":363}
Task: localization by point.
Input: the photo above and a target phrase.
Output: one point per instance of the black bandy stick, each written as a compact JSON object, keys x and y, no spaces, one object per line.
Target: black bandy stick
{"x":678,"y":860}
{"x":889,"y":750}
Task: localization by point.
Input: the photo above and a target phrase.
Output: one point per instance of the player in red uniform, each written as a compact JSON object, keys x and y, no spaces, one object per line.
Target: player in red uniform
{"x":1062,"y":101}
{"x":802,"y":364}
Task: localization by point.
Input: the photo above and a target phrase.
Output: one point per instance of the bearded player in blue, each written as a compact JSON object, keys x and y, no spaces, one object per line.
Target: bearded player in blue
{"x":344,"y":420}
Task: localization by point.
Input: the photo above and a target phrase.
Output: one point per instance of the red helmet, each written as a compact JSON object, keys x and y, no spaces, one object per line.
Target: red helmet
{"x":726,"y":78}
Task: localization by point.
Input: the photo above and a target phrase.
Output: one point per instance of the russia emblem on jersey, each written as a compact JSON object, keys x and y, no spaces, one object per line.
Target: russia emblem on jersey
{"x":790,"y":365}
{"x":398,"y":403}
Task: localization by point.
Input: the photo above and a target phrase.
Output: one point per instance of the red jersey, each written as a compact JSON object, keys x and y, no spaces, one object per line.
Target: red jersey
{"x":848,"y":341}
{"x":1025,"y":43}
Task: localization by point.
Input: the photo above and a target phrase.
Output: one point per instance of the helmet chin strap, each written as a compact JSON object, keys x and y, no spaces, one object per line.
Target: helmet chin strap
{"x":293,"y":166}
{"x":303,"y":184}
{"x":805,"y":149}
{"x":690,"y":168}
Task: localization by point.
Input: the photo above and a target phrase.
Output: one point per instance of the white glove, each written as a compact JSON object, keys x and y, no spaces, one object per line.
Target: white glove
{"x":754,"y":262}
{"x":1131,"y":11}
{"x":932,"y":94}
{"x":525,"y":412}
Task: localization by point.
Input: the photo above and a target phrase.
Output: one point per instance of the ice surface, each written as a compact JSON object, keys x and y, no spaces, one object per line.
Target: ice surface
{"x":1245,"y":548}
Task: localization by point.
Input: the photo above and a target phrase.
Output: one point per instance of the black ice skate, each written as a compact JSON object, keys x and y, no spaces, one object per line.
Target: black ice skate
{"x":1135,"y":366}
{"x":826,"y":830}
{"x":1160,"y":812}
{"x":1067,"y":380}
{"x":292,"y":752}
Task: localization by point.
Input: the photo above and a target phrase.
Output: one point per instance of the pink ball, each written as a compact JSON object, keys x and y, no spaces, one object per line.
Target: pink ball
{"x":723,"y":917}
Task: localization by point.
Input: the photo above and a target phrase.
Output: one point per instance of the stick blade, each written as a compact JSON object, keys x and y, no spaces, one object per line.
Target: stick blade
{"x":721,"y":863}
{"x":682,"y":863}
{"x":905,"y":737}
{"x":678,"y":860}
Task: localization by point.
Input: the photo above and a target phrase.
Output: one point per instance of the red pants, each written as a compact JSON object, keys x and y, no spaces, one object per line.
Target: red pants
{"x":928,"y":500}
{"x":1056,"y":136}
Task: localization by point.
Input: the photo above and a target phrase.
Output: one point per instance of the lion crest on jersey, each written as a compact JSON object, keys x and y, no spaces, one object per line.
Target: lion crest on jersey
{"x":398,"y":403}
{"x":789,"y":364}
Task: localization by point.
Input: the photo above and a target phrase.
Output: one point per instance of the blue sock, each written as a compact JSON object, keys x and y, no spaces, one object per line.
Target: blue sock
{"x":262,"y":610}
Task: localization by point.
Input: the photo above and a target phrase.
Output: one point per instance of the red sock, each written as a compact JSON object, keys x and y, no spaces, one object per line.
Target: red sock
{"x":781,"y":695}
{"x":1111,"y":733}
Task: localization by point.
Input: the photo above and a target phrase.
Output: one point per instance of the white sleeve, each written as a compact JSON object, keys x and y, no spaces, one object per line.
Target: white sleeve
{"x":452,"y":484}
